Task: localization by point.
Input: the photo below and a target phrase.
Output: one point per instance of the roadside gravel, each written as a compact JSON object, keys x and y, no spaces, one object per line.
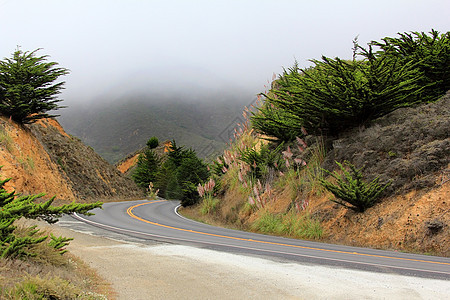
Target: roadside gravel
{"x":166,"y":271}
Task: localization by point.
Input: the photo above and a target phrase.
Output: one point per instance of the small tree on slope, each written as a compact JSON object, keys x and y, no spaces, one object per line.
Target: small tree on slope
{"x":350,"y":189}
{"x":13,"y":207}
{"x":27,"y":86}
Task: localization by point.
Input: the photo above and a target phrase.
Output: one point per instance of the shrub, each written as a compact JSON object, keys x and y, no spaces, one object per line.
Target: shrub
{"x":430,"y":52}
{"x":351,"y":189}
{"x":260,"y":162}
{"x":13,"y":207}
{"x":58,"y":243}
{"x":338,"y":94}
{"x":153,"y":142}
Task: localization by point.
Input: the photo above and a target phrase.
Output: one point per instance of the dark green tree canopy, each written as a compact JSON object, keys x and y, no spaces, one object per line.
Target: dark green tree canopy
{"x":153,"y":142}
{"x":147,"y":166}
{"x":335,"y":94}
{"x":27,"y":86}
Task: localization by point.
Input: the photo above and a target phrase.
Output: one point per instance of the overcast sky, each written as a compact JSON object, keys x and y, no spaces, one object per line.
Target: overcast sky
{"x":196,"y":45}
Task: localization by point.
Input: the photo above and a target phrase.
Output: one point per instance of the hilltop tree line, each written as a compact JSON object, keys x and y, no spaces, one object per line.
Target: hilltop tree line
{"x":336,"y":94}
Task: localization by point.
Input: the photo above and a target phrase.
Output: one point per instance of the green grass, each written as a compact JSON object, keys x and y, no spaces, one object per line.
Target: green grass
{"x":290,"y":224}
{"x":208,"y":205}
{"x":48,"y":287}
{"x":36,"y":287}
{"x":6,"y":140}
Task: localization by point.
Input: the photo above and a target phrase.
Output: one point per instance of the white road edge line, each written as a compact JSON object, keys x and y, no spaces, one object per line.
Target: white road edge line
{"x":256,"y":249}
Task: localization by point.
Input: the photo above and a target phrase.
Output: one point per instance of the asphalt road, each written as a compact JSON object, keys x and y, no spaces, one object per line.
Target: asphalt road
{"x":158,"y":221}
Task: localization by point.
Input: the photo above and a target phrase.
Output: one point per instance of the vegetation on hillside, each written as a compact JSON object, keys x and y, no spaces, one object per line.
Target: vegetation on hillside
{"x":335,"y":94}
{"x":88,"y":175}
{"x":147,"y":167}
{"x":19,"y":242}
{"x":302,"y":121}
{"x":27,"y":86}
{"x":14,"y":207}
{"x":350,"y":189}
{"x":175,"y":177}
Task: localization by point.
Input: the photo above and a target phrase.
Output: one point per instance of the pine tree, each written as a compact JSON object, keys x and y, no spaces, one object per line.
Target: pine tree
{"x":27,"y":86}
{"x":13,"y":207}
{"x":147,"y":167}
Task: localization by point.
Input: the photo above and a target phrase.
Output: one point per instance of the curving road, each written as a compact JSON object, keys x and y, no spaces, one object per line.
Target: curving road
{"x":159,"y":220}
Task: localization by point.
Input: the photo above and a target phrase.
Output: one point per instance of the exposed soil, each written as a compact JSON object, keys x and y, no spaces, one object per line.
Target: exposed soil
{"x":410,"y":148}
{"x":29,"y":166}
{"x":126,"y":165}
{"x":92,"y":178}
{"x":414,"y":222}
{"x":42,"y":157}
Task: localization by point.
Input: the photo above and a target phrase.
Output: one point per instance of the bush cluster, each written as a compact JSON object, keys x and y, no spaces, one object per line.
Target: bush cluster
{"x":351,"y":190}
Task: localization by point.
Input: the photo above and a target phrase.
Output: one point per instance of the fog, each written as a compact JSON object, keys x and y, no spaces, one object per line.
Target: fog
{"x":115,"y":48}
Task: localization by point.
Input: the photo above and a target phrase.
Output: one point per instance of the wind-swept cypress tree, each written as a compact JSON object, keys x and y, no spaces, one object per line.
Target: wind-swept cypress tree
{"x":27,"y":86}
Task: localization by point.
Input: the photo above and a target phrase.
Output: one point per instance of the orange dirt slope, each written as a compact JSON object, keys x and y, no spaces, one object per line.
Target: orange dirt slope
{"x":26,"y":162}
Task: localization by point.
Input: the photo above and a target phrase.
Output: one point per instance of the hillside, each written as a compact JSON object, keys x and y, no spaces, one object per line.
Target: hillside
{"x":124,"y":125}
{"x":409,"y":147}
{"x":127,"y":164}
{"x":42,"y":157}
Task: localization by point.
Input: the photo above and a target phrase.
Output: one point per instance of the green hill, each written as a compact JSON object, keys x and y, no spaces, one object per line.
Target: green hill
{"x":123,"y":126}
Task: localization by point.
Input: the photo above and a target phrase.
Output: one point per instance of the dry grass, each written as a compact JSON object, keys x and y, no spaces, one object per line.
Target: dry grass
{"x":286,"y":195}
{"x":49,"y":274}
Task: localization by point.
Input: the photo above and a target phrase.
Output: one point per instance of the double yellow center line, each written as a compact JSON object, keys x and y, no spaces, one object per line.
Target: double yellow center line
{"x":131,"y":214}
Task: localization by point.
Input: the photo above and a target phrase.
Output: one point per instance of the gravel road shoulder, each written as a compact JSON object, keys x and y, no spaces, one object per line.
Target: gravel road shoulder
{"x":165,"y":271}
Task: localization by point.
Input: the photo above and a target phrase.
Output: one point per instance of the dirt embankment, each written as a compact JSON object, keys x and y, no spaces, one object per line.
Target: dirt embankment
{"x":31,"y":169}
{"x":126,"y":165}
{"x":42,"y":157}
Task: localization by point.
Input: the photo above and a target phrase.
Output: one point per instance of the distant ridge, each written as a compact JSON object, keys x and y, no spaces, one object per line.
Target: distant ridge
{"x":119,"y":128}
